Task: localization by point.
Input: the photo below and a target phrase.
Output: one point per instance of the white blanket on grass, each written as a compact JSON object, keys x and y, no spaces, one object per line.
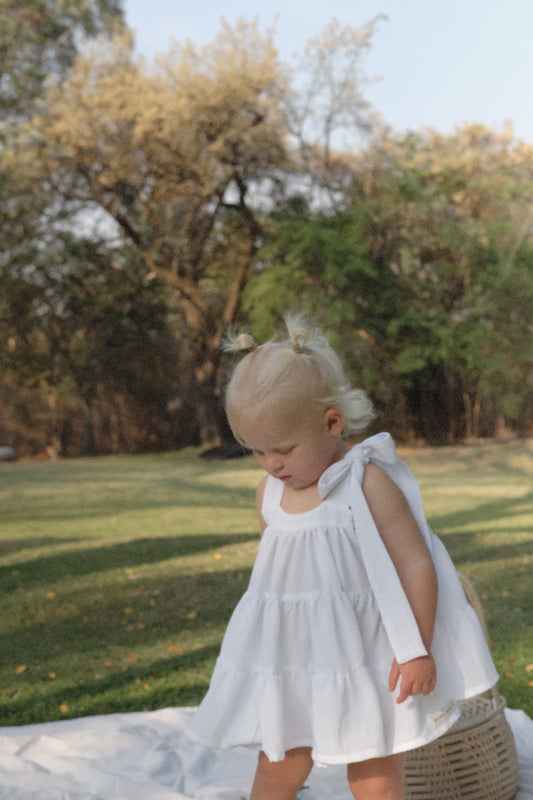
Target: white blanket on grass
{"x":146,"y":756}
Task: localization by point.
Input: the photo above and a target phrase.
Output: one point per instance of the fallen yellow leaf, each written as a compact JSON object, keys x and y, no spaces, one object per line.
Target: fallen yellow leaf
{"x":50,"y":595}
{"x":174,"y":648}
{"x":217,"y":556}
{"x":191,"y":615}
{"x":21,"y":668}
{"x":64,"y":708}
{"x":51,"y":675}
{"x":529,"y":668}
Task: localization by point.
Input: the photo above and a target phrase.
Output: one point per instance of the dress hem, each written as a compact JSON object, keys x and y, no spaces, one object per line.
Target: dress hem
{"x":322,"y":760}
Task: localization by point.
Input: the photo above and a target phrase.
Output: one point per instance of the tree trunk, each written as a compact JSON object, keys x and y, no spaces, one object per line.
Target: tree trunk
{"x":213,"y":427}
{"x":90,"y":438}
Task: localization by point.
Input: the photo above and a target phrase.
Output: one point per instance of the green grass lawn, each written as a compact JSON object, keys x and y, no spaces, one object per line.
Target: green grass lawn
{"x":118,"y":574}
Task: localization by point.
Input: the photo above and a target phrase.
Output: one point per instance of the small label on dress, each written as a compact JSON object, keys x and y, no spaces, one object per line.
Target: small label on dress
{"x":441,"y":716}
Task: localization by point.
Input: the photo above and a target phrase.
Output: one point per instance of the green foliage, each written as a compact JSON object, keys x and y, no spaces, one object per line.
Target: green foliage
{"x":423,"y":278}
{"x":40,"y":42}
{"x":309,"y":260}
{"x":86,"y":338}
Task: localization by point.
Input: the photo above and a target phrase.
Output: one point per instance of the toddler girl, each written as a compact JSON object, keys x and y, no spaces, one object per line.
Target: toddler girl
{"x":354,"y":638}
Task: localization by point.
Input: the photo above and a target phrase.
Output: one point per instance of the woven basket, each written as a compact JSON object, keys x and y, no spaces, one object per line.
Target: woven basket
{"x":476,"y":759}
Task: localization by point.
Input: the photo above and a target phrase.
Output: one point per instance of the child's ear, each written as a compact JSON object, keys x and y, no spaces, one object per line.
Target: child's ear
{"x":334,"y":421}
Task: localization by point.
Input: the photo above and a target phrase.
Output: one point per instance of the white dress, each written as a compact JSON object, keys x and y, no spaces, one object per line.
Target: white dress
{"x":307,"y":652}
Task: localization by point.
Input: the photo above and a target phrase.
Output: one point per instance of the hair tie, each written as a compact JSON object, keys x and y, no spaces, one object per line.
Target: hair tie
{"x":298,"y":346}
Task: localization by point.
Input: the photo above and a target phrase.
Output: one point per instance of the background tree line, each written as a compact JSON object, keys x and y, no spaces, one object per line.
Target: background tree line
{"x":145,"y":208}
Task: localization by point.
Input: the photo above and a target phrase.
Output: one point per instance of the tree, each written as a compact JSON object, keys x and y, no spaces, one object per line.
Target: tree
{"x":40,"y":40}
{"x":459,"y":210}
{"x":183,"y":160}
{"x":427,"y":277}
{"x":39,"y":43}
{"x":173,"y":157}
{"x":327,"y":99}
{"x":86,"y":353}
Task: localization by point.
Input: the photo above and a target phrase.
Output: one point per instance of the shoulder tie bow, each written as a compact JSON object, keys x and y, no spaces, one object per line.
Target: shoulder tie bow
{"x":397,"y":615}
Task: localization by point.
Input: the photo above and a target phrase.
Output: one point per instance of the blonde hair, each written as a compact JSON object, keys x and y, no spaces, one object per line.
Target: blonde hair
{"x":302,"y":367}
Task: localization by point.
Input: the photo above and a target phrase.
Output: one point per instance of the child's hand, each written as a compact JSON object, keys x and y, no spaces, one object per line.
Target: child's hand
{"x":418,"y":676}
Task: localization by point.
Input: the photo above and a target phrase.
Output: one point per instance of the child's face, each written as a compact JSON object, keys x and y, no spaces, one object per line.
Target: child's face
{"x":296,"y":449}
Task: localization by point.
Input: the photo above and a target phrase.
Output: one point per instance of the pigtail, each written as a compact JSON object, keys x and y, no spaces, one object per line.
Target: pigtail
{"x":236,"y":342}
{"x":298,"y":331}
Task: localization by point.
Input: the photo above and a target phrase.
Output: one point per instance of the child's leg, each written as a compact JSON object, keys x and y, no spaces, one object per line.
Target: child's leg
{"x":280,"y":780}
{"x":377,"y":779}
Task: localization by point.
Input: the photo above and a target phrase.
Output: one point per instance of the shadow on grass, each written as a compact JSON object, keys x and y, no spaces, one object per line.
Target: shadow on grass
{"x":45,"y":569}
{"x":185,"y":604}
{"x":100,"y":499}
{"x":173,"y":681}
{"x":465,"y":548}
{"x":8,"y":546}
{"x":191,"y":612}
{"x":485,"y":512}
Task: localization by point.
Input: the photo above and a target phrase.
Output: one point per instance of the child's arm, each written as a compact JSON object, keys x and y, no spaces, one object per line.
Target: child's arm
{"x":414,"y":565}
{"x":259,"y":502}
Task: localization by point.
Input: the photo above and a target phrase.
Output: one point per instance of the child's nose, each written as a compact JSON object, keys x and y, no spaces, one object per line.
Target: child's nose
{"x":275,"y":462}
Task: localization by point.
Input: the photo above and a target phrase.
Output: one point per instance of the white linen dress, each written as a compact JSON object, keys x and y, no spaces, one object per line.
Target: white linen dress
{"x":308,"y":650}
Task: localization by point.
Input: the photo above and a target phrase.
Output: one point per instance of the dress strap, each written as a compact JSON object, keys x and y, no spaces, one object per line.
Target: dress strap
{"x":271,"y":497}
{"x":398,"y":618}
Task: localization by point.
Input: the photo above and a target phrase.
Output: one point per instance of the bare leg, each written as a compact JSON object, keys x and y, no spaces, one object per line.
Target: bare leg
{"x":280,"y":780}
{"x":377,"y":779}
